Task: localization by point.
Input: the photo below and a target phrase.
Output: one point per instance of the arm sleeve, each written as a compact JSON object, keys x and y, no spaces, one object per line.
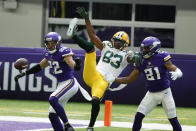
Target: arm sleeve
{"x":34,"y":69}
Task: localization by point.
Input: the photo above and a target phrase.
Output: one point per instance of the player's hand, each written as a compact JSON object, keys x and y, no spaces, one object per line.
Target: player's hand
{"x":82,"y":12}
{"x":19,"y":76}
{"x":110,"y":78}
{"x":137,"y":59}
{"x":78,"y":62}
{"x":176,"y":74}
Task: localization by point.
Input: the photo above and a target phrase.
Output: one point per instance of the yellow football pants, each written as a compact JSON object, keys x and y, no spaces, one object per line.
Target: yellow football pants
{"x":92,"y":77}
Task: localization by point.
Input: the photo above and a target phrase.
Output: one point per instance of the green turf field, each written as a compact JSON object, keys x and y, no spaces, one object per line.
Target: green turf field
{"x":81,"y":111}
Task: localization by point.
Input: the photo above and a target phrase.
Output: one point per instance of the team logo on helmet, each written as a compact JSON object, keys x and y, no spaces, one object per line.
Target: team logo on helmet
{"x":150,"y":46}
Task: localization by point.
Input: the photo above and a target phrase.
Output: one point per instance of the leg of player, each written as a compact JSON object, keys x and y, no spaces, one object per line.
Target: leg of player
{"x":58,"y":100}
{"x":175,"y":124}
{"x":55,"y":121}
{"x":170,"y":109}
{"x":71,"y":32}
{"x":87,"y":46}
{"x":138,"y":121}
{"x":148,"y":103}
{"x":59,"y":111}
{"x":94,"y":112}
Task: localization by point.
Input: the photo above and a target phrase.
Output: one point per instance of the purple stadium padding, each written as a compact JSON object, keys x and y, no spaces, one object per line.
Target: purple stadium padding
{"x":184,"y":89}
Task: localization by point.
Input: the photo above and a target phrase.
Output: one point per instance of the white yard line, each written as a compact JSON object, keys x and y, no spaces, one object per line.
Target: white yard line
{"x":146,"y":126}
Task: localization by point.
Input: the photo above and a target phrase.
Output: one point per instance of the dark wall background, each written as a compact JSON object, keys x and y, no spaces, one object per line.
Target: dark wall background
{"x":184,"y":90}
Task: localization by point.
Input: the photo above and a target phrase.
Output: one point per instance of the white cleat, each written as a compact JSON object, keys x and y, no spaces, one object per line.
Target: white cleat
{"x":72,"y":25}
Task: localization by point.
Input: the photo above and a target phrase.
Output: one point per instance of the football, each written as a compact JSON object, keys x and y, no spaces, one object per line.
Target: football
{"x":21,"y":63}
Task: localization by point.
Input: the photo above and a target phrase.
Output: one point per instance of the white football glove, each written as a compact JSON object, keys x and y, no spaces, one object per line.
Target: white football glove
{"x":120,"y":87}
{"x":109,"y":78}
{"x":176,"y":74}
{"x":72,"y":26}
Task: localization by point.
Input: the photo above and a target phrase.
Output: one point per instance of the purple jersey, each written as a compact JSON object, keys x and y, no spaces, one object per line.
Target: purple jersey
{"x":61,"y":70}
{"x":157,"y":75}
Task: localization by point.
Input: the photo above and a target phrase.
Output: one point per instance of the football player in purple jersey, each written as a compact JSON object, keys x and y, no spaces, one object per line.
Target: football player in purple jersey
{"x":156,"y":67}
{"x":60,"y":59}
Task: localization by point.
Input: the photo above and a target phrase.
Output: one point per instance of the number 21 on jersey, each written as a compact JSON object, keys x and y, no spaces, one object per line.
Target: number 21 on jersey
{"x":149,"y":73}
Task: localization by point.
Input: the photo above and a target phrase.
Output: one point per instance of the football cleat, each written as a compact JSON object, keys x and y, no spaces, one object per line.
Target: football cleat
{"x":89,"y":129}
{"x":72,"y":27}
{"x":68,"y":127}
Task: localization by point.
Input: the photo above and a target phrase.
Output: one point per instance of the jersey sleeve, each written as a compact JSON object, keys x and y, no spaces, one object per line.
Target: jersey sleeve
{"x":165,"y":56}
{"x":65,"y":51}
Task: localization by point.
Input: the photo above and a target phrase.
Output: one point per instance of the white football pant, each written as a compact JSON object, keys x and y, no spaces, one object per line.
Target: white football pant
{"x":152,"y":99}
{"x":65,"y":90}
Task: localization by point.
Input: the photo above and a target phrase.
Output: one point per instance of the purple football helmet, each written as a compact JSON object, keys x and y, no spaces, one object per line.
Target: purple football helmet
{"x":150,"y":45}
{"x":53,"y":36}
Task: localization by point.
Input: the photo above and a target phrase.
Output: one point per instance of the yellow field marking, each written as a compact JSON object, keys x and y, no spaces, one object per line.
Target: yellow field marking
{"x":41,"y":111}
{"x":3,"y":109}
{"x":164,"y":117}
{"x":76,"y":112}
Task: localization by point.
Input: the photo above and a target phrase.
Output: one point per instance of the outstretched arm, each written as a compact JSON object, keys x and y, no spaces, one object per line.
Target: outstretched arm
{"x":94,"y":38}
{"x":129,"y":79}
{"x":123,"y":80}
{"x":35,"y":69}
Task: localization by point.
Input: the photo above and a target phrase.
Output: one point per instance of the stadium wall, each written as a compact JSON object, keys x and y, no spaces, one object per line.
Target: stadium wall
{"x":40,"y":85}
{"x":24,"y":27}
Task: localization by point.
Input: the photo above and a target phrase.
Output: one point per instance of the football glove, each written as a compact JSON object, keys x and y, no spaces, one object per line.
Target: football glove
{"x":78,"y":62}
{"x":82,"y":12}
{"x":110,"y":78}
{"x":19,"y":76}
{"x":72,"y":27}
{"x":176,"y":74}
{"x":137,"y":59}
{"x":120,"y":87}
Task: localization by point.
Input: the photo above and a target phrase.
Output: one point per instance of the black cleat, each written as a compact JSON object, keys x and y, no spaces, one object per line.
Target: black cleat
{"x":68,"y":127}
{"x":90,"y":129}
